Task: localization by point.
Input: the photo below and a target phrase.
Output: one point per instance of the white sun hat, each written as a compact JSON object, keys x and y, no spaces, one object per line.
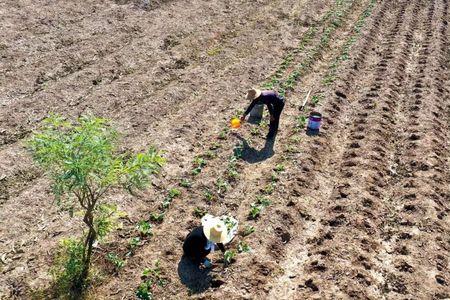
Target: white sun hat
{"x":214,"y":229}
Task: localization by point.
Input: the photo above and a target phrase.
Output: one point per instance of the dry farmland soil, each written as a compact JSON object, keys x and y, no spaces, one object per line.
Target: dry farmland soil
{"x":361,"y":210}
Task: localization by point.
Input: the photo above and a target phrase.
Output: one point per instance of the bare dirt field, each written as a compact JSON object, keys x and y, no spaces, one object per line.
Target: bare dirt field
{"x":361,"y":210}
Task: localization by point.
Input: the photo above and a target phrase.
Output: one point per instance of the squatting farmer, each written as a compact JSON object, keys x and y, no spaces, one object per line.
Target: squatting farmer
{"x":274,"y":103}
{"x":204,"y":239}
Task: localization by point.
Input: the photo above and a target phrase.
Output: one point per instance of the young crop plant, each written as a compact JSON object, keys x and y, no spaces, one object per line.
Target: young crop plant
{"x":256,"y":207}
{"x":133,"y":243}
{"x":316,"y":99}
{"x":269,"y":188}
{"x":157,"y":217}
{"x":222,"y":186}
{"x":243,"y":247}
{"x":152,"y":278}
{"x":248,"y":230}
{"x":185,"y":183}
{"x":82,"y":159}
{"x":116,"y":261}
{"x":209,"y":196}
{"x":223,"y":134}
{"x":279,"y":168}
{"x":144,"y":228}
{"x":172,"y":194}
{"x":301,"y":122}
{"x":199,"y":164}
{"x":229,"y":256}
{"x":199,"y":212}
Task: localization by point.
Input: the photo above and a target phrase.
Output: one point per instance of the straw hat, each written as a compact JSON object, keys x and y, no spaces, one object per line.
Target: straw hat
{"x":253,"y":94}
{"x":215,"y":230}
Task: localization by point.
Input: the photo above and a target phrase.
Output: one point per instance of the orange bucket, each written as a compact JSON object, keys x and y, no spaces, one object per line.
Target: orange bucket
{"x":235,"y":123}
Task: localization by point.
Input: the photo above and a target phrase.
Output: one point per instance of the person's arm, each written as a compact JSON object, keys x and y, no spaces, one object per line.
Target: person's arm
{"x":249,"y":109}
{"x":271,"y":109}
{"x":221,"y":247}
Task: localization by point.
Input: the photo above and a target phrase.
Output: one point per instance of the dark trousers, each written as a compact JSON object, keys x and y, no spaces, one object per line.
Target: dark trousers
{"x":277,"y":109}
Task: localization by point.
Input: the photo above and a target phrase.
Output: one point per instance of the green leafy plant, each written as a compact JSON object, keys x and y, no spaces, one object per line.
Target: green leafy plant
{"x":229,"y":256}
{"x":279,"y":168}
{"x":144,"y":228}
{"x":301,"y":121}
{"x":82,"y":160}
{"x":248,"y":230}
{"x":199,"y":212}
{"x":208,"y":195}
{"x":185,"y":183}
{"x":117,"y":262}
{"x":152,"y":277}
{"x":199,"y":164}
{"x":258,"y":206}
{"x":268,"y":189}
{"x":68,"y":268}
{"x":222,"y":186}
{"x":134,"y":243}
{"x":173,"y":193}
{"x":157,"y":217}
{"x":243,"y":247}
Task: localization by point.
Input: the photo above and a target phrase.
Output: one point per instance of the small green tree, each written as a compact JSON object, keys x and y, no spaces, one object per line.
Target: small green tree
{"x":82,"y":160}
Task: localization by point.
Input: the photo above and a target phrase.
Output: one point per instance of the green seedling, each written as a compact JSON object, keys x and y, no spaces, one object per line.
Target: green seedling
{"x":268,"y":189}
{"x":316,"y":99}
{"x":152,"y":278}
{"x":255,"y":131}
{"x":134,"y":243}
{"x":199,"y":212}
{"x":274,"y":177}
{"x":279,"y":168}
{"x":248,"y":230}
{"x":258,"y":206}
{"x":301,"y":121}
{"x":173,"y":193}
{"x":229,"y":256}
{"x":208,"y":195}
{"x":243,"y":247}
{"x":117,"y":262}
{"x":144,"y":228}
{"x":214,"y":146}
{"x":222,"y":186}
{"x":157,"y":217}
{"x":185,"y":183}
{"x":295,"y":139}
{"x":210,"y":154}
{"x":223,"y":134}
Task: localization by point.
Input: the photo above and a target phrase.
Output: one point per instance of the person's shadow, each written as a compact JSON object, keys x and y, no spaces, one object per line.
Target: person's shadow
{"x":195,"y":279}
{"x":252,"y":155}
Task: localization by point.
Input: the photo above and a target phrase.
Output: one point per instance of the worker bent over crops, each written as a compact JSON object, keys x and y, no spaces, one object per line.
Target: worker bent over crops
{"x":203,"y":239}
{"x":274,"y":103}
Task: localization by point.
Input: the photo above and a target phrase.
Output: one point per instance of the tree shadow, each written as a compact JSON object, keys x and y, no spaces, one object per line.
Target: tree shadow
{"x":252,"y":155}
{"x":197,"y":280}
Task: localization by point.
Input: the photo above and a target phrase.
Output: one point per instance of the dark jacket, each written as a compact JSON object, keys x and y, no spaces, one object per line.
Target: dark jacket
{"x":195,"y":243}
{"x":272,"y":100}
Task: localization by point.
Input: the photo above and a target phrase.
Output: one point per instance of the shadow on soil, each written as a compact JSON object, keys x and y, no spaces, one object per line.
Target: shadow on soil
{"x":252,"y":155}
{"x":195,"y":279}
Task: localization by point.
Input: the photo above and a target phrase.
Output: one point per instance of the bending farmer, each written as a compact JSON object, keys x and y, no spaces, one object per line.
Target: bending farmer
{"x":275,"y":105}
{"x":203,"y":239}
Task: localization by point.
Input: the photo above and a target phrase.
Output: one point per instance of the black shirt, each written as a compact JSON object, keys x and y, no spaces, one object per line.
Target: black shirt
{"x":269,"y":98}
{"x":195,"y":243}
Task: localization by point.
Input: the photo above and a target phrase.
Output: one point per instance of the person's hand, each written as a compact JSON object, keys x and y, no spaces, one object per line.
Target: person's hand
{"x":272,"y":118}
{"x":242,"y":119}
